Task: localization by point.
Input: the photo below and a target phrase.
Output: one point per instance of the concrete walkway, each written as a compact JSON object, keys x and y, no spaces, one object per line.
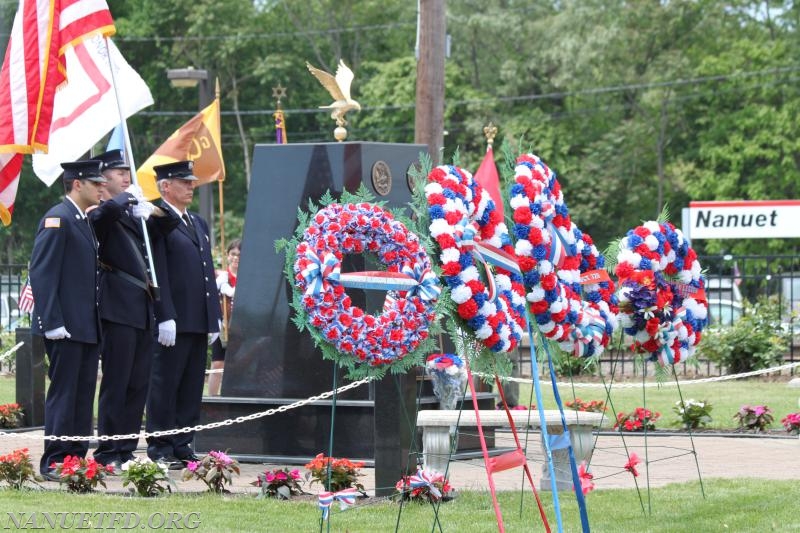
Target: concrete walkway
{"x":670,"y":460}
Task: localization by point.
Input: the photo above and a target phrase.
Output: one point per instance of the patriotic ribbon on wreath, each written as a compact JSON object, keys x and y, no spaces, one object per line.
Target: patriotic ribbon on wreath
{"x":590,"y":328}
{"x":320,"y":272}
{"x":423,"y":479}
{"x":668,"y":332}
{"x":464,"y":234}
{"x":427,"y":284}
{"x":345,"y":497}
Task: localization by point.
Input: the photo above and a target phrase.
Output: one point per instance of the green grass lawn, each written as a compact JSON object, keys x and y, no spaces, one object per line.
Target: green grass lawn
{"x":730,"y":505}
{"x":726,"y":397}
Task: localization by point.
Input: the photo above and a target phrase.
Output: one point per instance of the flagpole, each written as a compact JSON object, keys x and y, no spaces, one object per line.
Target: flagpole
{"x":134,"y":179}
{"x":222,"y":254}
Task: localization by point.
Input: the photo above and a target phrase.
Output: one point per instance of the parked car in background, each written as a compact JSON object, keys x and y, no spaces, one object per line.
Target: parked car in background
{"x":723,"y":312}
{"x":10,"y":315}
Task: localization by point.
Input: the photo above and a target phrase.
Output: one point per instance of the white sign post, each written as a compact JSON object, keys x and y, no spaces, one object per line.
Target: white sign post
{"x":759,"y":219}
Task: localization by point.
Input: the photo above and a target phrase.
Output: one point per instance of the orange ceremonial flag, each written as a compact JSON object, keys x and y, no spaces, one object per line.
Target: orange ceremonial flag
{"x":198,"y":140}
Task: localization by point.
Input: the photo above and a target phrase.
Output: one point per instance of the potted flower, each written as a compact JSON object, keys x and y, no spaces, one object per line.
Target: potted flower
{"x":149,"y":478}
{"x":449,"y":377}
{"x":426,"y":486}
{"x":10,"y":415}
{"x":791,"y":423}
{"x":754,"y":418}
{"x":80,"y":474}
{"x":693,"y":413}
{"x":592,"y":406}
{"x":215,"y":470}
{"x":16,"y":468}
{"x":344,"y":473}
{"x":280,"y":483}
{"x":640,"y":419}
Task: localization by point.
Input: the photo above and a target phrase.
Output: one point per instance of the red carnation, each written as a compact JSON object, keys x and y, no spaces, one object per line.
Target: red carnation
{"x":468,"y":309}
{"x":624,"y":270}
{"x":549,"y":282}
{"x":535,"y":236}
{"x":452,"y":217}
{"x":451,"y":269}
{"x":526,"y":264}
{"x":492,"y":339}
{"x":437,"y":199}
{"x":539,"y":307}
{"x":445,"y":241}
{"x":523,"y":215}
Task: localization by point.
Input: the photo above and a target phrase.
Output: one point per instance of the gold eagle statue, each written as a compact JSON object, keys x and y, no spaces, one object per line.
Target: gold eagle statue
{"x":339,"y":88}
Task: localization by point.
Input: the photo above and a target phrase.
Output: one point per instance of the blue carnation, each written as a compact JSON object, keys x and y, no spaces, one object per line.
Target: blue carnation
{"x":476,"y":322}
{"x":521,"y":231}
{"x":436,"y":211}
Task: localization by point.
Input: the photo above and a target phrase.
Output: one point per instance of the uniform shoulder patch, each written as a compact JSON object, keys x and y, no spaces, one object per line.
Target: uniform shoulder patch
{"x":52,"y":222}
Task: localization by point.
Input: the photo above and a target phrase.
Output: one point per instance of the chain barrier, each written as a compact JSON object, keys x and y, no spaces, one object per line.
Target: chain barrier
{"x":355,"y":384}
{"x":651,"y":384}
{"x":212,"y":425}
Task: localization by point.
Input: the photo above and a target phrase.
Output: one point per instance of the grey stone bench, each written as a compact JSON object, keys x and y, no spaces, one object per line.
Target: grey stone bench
{"x":436,"y":427}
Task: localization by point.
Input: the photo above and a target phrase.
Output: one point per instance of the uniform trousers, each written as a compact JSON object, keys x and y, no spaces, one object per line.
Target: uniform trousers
{"x":176,"y":394}
{"x":69,"y":405}
{"x":126,"y":359}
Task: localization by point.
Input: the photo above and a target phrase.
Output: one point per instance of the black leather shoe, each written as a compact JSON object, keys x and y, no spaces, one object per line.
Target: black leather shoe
{"x":172,"y":462}
{"x":51,"y":475}
{"x":188,"y":458}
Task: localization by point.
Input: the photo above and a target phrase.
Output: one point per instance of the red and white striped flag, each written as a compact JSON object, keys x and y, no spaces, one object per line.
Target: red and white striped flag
{"x":25,"y":302}
{"x":33,"y":69}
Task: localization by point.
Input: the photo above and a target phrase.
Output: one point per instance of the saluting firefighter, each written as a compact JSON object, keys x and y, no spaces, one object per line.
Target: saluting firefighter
{"x":188,"y":315}
{"x":64,"y":279}
{"x":126,"y":311}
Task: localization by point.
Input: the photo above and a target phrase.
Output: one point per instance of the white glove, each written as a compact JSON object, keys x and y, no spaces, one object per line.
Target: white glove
{"x":57,"y":334}
{"x":227,"y":290}
{"x":166,"y":333}
{"x":143,"y":209}
{"x":212,"y":338}
{"x":136,"y":192}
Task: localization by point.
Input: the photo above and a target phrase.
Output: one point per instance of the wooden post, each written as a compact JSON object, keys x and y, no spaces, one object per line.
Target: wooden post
{"x":429,"y":115}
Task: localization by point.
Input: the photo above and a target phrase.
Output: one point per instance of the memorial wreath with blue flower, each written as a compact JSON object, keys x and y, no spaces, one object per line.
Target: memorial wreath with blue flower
{"x":366,"y":343}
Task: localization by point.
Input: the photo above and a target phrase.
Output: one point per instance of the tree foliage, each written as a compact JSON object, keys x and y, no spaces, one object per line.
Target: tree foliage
{"x":636,"y":104}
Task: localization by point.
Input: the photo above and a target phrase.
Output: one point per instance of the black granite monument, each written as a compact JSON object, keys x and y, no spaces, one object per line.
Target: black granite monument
{"x":269,"y":363}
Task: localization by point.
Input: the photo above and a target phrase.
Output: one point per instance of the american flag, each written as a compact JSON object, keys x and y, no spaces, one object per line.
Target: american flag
{"x":25,"y":303}
{"x":32,"y":69}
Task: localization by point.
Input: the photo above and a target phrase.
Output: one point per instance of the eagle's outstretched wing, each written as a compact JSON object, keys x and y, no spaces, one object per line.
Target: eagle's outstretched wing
{"x":344,"y":77}
{"x":330,"y":83}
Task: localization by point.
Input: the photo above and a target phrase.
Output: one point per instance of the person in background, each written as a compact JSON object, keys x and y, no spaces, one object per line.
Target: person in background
{"x":64,"y":278}
{"x":188,"y":316}
{"x":126,"y":311}
{"x":226,"y":285}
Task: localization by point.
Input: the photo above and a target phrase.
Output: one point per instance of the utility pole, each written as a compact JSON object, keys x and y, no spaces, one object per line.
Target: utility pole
{"x":429,"y":115}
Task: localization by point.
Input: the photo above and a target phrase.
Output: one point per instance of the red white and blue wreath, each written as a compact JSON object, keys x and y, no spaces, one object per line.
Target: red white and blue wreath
{"x":662,"y":293}
{"x":571,"y":295}
{"x":470,"y":233}
{"x":346,"y":332}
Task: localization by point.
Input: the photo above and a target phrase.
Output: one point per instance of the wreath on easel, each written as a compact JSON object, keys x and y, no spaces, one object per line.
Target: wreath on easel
{"x":365,"y":343}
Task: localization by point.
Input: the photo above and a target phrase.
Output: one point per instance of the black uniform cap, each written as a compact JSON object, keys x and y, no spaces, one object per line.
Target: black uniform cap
{"x":112,"y":159}
{"x":83,"y":170}
{"x":181,"y":170}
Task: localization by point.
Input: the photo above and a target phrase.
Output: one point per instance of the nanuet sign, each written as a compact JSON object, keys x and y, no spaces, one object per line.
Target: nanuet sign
{"x":758,"y":219}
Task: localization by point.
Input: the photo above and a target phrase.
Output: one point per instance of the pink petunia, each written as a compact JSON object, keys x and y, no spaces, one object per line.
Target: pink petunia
{"x":191,"y":466}
{"x":294,"y":474}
